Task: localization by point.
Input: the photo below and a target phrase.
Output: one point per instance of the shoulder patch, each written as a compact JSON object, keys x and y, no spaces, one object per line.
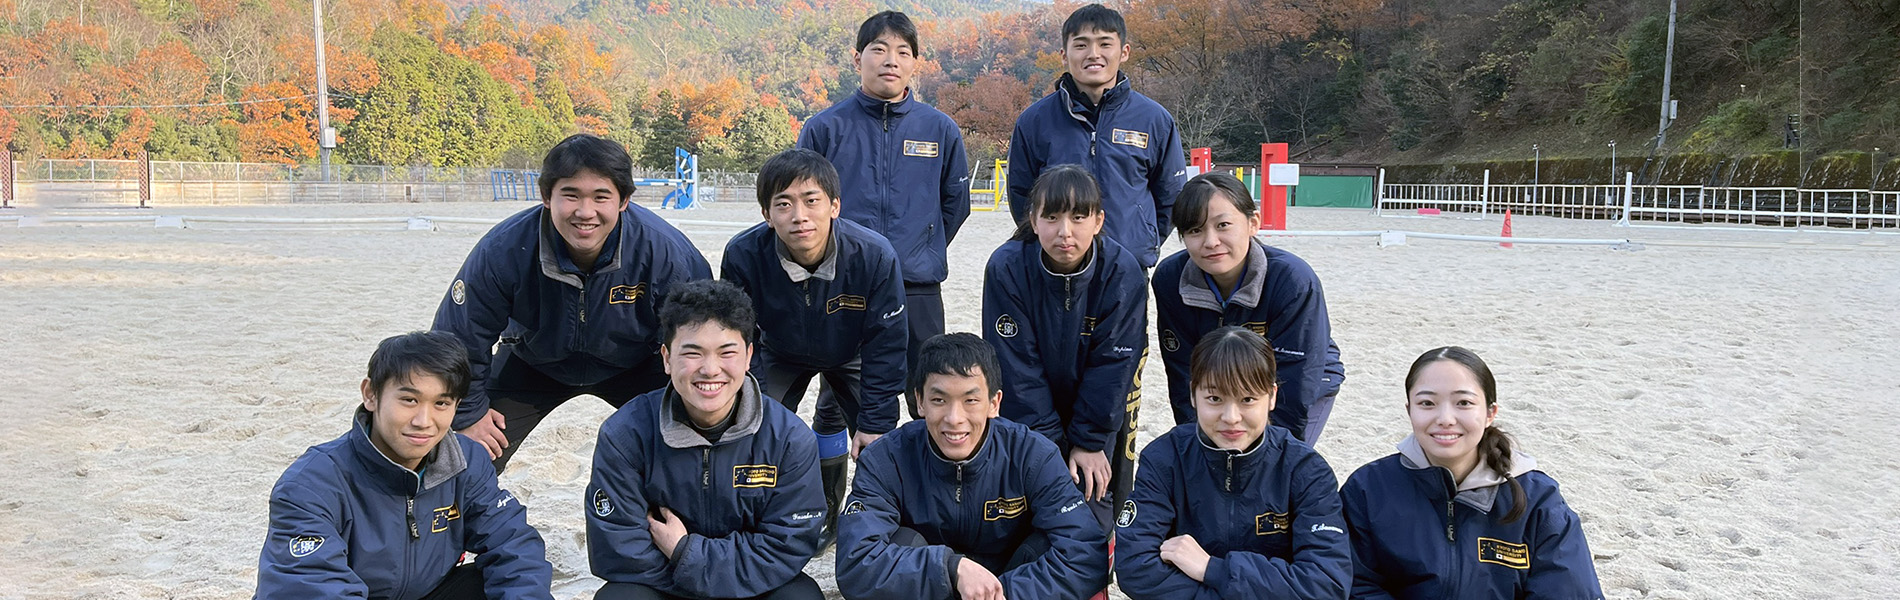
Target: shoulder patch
{"x":920,"y":149}
{"x":1130,"y":138}
{"x":626,"y":294}
{"x":852,"y":508}
{"x":1271,"y":523}
{"x":1168,"y":341}
{"x":754,"y":476}
{"x":1006,"y":326}
{"x":1500,"y":552}
{"x":1127,"y":516}
{"x":844,"y":302}
{"x":1005,"y":508}
{"x":602,"y":505}
{"x":458,"y":293}
{"x":305,"y":545}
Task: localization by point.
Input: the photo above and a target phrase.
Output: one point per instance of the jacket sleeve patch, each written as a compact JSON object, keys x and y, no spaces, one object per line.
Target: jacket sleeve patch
{"x":602,"y":505}
{"x":626,"y":294}
{"x":305,"y":545}
{"x":754,"y":476}
{"x":1127,"y":517}
{"x":458,"y":293}
{"x":1169,"y":341}
{"x":920,"y":149}
{"x":1500,"y":552}
{"x":1006,"y":326}
{"x":1130,"y":138}
{"x":844,"y":302}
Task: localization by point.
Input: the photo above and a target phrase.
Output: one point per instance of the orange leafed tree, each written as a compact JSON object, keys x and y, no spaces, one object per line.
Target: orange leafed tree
{"x":281,"y":131}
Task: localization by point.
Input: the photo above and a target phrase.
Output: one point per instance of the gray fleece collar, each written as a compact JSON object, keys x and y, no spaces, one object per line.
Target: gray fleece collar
{"x":1479,"y":490}
{"x":551,"y":262}
{"x":751,"y":416}
{"x":443,"y":463}
{"x":1194,"y":290}
{"x":827,"y":268}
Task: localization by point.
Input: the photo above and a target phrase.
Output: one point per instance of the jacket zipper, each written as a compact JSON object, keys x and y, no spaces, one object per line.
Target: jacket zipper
{"x":1091,"y":143}
{"x":1068,"y":293}
{"x":1230,"y":472}
{"x":887,"y":117}
{"x":583,"y":302}
{"x":1450,"y":527}
{"x":959,"y":483}
{"x":806,"y":285}
{"x":705,"y":468}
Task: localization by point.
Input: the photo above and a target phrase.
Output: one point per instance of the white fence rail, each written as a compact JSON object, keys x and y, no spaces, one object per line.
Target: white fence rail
{"x":1640,"y":204}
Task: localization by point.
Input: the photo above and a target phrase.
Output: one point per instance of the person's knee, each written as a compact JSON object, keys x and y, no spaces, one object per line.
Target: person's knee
{"x":801,"y":587}
{"x":627,"y":591}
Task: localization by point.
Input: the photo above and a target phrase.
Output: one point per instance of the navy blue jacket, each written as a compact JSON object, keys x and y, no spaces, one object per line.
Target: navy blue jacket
{"x":982,"y":508}
{"x":903,"y":173}
{"x":1278,"y":297}
{"x":1071,"y":347}
{"x":346,"y":522}
{"x":518,"y":285}
{"x":1131,"y":146}
{"x":751,"y":502}
{"x":850,"y":308}
{"x":1415,"y":536}
{"x":1269,"y":517}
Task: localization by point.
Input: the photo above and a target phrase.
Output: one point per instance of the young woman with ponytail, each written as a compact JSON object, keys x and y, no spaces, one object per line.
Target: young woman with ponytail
{"x":1458,"y":512}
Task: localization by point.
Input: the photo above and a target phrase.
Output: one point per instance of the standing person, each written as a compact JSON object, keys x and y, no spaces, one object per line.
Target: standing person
{"x":1227,"y":277}
{"x":1067,"y":311}
{"x":706,"y":488}
{"x":1229,"y":506}
{"x":569,"y":289}
{"x":387,"y":510}
{"x":1458,"y":512}
{"x":830,"y":301}
{"x":1096,"y":119}
{"x":901,"y":166}
{"x":963,"y":503}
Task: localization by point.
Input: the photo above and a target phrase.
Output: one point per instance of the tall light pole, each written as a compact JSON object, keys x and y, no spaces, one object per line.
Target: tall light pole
{"x":326,"y":138}
{"x":1612,"y":162}
{"x":1537,"y":161}
{"x":1669,"y":59}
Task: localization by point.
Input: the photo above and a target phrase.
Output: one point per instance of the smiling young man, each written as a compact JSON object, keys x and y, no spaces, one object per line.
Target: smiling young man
{"x":830,"y":301}
{"x":705,"y":488}
{"x":570,"y":289}
{"x":387,"y":510}
{"x":963,"y":504}
{"x":1095,"y":119}
{"x":901,"y":166}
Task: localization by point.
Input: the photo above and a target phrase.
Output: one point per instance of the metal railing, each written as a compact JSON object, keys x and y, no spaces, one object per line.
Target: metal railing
{"x":1629,"y":203}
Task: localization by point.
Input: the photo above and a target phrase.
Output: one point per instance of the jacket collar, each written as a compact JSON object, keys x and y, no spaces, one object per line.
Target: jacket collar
{"x":1080,"y":275}
{"x":878,"y":108}
{"x":1480,"y":488}
{"x":442,"y":464}
{"x":1235,"y":467}
{"x":555,"y":262}
{"x":1078,"y":103}
{"x":827,"y":268}
{"x":976,"y":459}
{"x":1253,"y":276}
{"x":749,"y":410}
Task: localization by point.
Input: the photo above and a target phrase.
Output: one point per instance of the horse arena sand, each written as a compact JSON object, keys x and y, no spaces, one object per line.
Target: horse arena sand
{"x":1721,"y":414}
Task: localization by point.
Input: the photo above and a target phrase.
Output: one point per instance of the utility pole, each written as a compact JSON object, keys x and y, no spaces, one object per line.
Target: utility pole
{"x":1669,"y":59}
{"x":326,"y":137}
{"x":1612,"y":162}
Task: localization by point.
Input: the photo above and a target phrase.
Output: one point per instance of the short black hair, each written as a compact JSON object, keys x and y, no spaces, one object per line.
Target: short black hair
{"x":584,"y":152}
{"x":437,"y":353}
{"x":703,"y":301}
{"x":1234,"y":360}
{"x":794,"y":165}
{"x":955,"y":354}
{"x":1190,"y":205}
{"x":889,"y":21}
{"x":1060,"y":190}
{"x":1097,"y":17}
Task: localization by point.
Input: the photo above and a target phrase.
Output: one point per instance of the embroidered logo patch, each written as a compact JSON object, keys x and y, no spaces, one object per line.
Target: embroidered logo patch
{"x":1127,"y":517}
{"x":1168,"y":341}
{"x":304,"y":545}
{"x":1319,"y":527}
{"x":1500,"y":552}
{"x":755,"y":476}
{"x":1005,"y":508}
{"x":1259,"y":327}
{"x":923,"y":149}
{"x":1130,"y":138}
{"x":1088,"y":325}
{"x":853,"y":508}
{"x":440,"y":522}
{"x":458,"y":293}
{"x":1006,"y":326}
{"x":626,"y":294}
{"x":844,"y":302}
{"x":602,"y":506}
{"x":1270,"y":524}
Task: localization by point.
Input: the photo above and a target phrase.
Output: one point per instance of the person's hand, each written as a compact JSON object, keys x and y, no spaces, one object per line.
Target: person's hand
{"x":488,"y":433}
{"x":667,"y":530}
{"x":1185,"y":554}
{"x":977,"y":583}
{"x":860,"y":440}
{"x":1090,"y":472}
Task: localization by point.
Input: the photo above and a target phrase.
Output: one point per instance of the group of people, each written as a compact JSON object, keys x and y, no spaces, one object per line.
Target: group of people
{"x":1015,"y":476}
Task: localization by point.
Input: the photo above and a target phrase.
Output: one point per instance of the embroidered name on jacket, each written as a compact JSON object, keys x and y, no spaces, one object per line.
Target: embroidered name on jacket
{"x":440,"y":522}
{"x":923,"y":149}
{"x":755,"y":476}
{"x":1129,"y":138}
{"x":626,"y":294}
{"x":1500,"y":552}
{"x":1270,"y":524}
{"x":1005,"y":508}
{"x":844,"y":302}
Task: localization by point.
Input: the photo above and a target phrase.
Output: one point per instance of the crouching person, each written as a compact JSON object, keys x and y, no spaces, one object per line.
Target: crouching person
{"x":964,"y":504}
{"x":705,"y":488}
{"x":387,"y":510}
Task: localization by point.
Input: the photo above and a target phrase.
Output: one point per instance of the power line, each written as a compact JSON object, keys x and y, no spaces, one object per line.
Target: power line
{"x":200,"y":105}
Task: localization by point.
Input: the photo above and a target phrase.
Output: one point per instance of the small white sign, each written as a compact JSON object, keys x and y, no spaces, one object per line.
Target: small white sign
{"x":1283,"y":174}
{"x":1193,"y":170}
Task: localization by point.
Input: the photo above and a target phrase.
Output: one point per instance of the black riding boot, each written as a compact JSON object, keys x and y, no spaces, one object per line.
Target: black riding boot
{"x":833,"y":471}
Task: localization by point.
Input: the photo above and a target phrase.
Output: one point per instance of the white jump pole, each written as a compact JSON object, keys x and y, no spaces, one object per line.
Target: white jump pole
{"x":1629,"y":186}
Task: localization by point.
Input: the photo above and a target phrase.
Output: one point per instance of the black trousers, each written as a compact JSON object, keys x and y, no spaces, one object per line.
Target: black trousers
{"x":463,"y":583}
{"x":799,"y":588}
{"x":998,"y":561}
{"x":524,"y":395}
{"x":840,"y":391}
{"x":923,"y":313}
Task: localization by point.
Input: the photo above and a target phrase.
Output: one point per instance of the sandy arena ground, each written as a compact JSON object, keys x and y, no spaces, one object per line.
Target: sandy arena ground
{"x":1722,"y":413}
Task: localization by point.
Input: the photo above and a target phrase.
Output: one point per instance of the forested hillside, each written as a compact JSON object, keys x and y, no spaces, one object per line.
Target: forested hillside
{"x":462,"y":82}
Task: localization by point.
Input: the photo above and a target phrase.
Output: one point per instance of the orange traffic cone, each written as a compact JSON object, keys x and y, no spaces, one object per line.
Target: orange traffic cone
{"x":1507,"y":229}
